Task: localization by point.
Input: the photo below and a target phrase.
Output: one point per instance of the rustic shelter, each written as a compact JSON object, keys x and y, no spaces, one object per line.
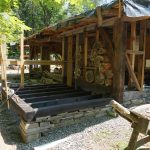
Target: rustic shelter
{"x":101,"y":51}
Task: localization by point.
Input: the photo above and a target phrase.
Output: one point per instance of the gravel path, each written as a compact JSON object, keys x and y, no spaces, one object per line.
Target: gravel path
{"x":104,"y":133}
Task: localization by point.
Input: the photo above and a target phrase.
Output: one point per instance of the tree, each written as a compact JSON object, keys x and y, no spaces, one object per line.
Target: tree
{"x":10,"y":25}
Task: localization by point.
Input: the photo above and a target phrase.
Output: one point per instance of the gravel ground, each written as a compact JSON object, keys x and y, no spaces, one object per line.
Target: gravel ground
{"x":104,"y":133}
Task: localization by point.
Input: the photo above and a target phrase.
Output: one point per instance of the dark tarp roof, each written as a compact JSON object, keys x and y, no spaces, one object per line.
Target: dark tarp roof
{"x":132,"y":8}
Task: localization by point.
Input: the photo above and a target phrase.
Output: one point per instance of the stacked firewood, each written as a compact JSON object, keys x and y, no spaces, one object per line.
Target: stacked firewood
{"x":101,"y":72}
{"x":52,"y":77}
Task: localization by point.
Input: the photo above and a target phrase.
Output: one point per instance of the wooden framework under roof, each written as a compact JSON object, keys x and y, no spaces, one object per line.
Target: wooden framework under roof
{"x":111,"y":26}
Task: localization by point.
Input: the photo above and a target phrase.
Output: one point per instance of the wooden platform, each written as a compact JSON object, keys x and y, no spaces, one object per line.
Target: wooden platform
{"x":42,"y":107}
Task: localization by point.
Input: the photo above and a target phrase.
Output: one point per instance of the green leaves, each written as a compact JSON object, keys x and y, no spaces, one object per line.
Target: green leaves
{"x":10,"y":25}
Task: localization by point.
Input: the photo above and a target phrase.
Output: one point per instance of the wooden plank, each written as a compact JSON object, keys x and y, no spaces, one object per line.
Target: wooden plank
{"x":44,"y":62}
{"x":62,"y":101}
{"x":99,"y":16}
{"x":56,"y":96}
{"x":132,"y":74}
{"x":70,"y":62}
{"x":57,"y":109}
{"x":22,"y":58}
{"x":119,"y":35}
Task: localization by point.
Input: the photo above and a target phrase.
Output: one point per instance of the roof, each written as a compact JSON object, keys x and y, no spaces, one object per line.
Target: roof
{"x":131,"y":8}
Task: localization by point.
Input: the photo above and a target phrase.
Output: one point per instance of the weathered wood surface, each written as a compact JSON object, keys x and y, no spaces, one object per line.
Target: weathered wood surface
{"x":139,"y":117}
{"x":119,"y":38}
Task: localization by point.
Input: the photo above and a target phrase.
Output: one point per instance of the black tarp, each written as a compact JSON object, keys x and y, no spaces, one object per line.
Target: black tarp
{"x":137,"y":8}
{"x":132,"y":8}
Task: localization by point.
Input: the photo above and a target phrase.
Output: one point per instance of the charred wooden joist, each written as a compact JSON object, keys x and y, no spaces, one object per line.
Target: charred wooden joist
{"x":43,"y":100}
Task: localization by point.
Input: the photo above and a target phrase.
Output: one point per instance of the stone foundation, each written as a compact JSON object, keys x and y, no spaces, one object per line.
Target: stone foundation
{"x":34,"y":130}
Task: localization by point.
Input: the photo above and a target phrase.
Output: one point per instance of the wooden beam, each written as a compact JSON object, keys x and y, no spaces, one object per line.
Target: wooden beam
{"x":133,"y":43}
{"x":132,"y":74}
{"x":120,"y":31}
{"x":22,"y":58}
{"x":43,"y":62}
{"x":70,"y":62}
{"x":85,"y":49}
{"x":141,"y":59}
{"x":63,"y":54}
{"x":99,"y":16}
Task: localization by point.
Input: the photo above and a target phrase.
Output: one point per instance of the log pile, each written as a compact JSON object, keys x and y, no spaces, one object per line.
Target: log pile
{"x":100,"y":68}
{"x":52,"y":77}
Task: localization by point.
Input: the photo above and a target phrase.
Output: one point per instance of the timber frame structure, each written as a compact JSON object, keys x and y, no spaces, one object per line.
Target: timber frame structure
{"x":100,"y":50}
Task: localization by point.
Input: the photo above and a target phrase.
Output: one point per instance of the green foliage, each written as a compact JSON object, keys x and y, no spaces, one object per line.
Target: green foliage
{"x":40,"y":13}
{"x":10,"y":24}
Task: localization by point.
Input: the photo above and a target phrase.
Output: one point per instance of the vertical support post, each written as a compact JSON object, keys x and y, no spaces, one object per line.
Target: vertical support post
{"x":119,"y":59}
{"x":69,"y":62}
{"x":22,"y":58}
{"x":85,"y":51}
{"x":4,"y":66}
{"x":41,"y":49}
{"x":63,"y":55}
{"x":141,"y":59}
{"x":77,"y":51}
{"x":133,"y":140}
{"x":133,"y":42}
{"x":119,"y":9}
{"x":99,"y":16}
{"x":97,"y":34}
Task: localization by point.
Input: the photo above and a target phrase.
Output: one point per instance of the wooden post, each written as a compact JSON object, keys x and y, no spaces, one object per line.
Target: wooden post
{"x":85,"y":52}
{"x":119,"y":59}
{"x":99,"y":16}
{"x":141,"y":59}
{"x":133,"y":140}
{"x":77,"y":50}
{"x":41,"y":56}
{"x":97,"y":35}
{"x":120,"y":9}
{"x":133,"y":43}
{"x":4,"y":66}
{"x":22,"y":58}
{"x":69,"y":62}
{"x":63,"y":55}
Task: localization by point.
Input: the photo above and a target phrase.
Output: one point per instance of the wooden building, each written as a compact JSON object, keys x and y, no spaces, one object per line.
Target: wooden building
{"x":102,"y":50}
{"x":98,"y":48}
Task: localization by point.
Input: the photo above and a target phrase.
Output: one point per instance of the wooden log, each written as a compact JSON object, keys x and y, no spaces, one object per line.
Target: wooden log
{"x":119,"y":36}
{"x":99,"y":16}
{"x":22,"y":108}
{"x":124,"y":112}
{"x":56,"y":109}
